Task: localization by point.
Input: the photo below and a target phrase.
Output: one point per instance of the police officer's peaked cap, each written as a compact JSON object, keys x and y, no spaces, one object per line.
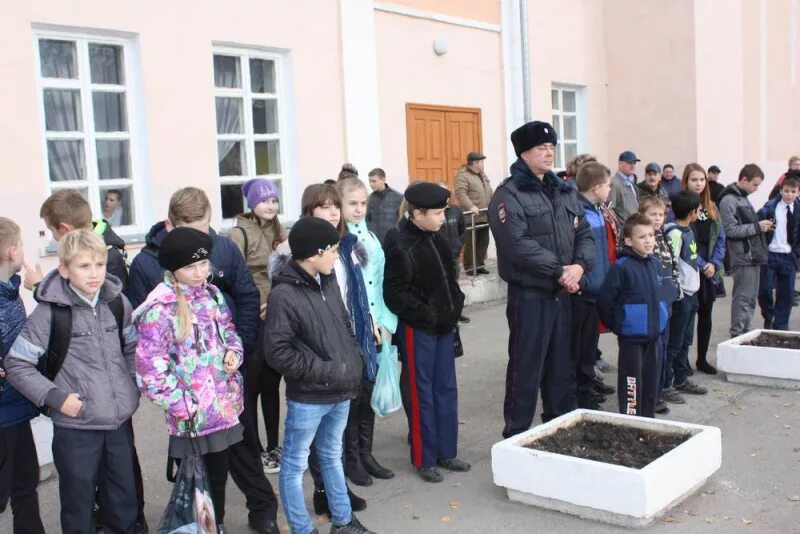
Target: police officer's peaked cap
{"x":533,"y":134}
{"x":427,"y":195}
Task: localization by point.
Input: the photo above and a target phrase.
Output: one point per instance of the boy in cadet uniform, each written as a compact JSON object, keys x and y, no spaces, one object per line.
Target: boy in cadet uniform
{"x":419,"y":286}
{"x":544,"y":247}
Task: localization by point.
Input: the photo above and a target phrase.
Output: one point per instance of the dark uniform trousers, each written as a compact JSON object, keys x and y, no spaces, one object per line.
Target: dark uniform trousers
{"x":19,"y":478}
{"x":637,"y":382}
{"x":539,"y":354}
{"x":430,"y":395}
{"x":585,"y":337}
{"x":245,"y":464}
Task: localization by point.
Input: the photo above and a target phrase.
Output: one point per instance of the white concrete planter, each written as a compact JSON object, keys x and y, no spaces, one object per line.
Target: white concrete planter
{"x":601,"y":491}
{"x":760,"y":366}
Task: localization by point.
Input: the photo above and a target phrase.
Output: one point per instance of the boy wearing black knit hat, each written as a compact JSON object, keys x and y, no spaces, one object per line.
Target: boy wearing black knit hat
{"x":310,"y":341}
{"x":419,"y":286}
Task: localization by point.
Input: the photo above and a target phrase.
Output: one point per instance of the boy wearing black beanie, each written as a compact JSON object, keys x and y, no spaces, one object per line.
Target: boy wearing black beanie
{"x":310,"y":341}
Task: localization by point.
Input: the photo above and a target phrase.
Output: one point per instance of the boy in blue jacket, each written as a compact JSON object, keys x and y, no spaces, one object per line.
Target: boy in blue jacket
{"x":778,"y":275}
{"x":19,"y":465}
{"x":634,"y":301}
{"x":594,"y":184}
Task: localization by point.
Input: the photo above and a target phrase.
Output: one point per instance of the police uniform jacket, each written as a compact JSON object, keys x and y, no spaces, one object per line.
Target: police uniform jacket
{"x":419,"y":285}
{"x":539,"y":226}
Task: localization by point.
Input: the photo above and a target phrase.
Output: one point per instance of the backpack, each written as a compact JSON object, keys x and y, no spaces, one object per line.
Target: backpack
{"x":61,"y":335}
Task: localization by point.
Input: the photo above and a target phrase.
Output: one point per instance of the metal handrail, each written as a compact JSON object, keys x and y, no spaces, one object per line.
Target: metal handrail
{"x":472,"y":226}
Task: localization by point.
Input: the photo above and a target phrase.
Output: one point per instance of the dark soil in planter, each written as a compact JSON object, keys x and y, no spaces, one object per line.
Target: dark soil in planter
{"x":776,"y":341}
{"x":612,"y":444}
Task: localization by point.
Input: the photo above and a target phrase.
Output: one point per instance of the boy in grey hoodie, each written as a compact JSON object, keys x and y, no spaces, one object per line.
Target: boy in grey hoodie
{"x":746,"y":245}
{"x":93,"y":395}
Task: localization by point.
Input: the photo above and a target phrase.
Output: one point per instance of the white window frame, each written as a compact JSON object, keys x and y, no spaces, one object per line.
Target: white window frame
{"x":93,"y":184}
{"x":558,"y":122}
{"x":281,"y":96}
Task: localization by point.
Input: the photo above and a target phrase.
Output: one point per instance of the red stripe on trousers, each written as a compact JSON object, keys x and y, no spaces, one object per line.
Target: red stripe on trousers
{"x":416,"y":434}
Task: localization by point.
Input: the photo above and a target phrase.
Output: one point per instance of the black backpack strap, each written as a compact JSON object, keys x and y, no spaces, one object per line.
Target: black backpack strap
{"x":244,"y":235}
{"x":60,"y":337}
{"x":118,"y":311}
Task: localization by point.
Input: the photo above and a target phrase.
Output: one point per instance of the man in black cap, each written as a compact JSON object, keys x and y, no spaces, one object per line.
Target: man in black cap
{"x":713,"y":183}
{"x":420,"y":287}
{"x":624,"y":198}
{"x":544,"y":247}
{"x":473,"y":193}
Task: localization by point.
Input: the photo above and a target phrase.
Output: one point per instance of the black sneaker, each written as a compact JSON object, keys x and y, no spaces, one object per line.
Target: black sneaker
{"x":691,"y":388}
{"x":464,"y":319}
{"x":594,"y":396}
{"x":353,"y":527}
{"x":673,"y":397}
{"x":141,"y":526}
{"x":430,"y":474}
{"x":588,"y":404}
{"x":704,"y":367}
{"x":603,"y":388}
{"x":454,"y":464}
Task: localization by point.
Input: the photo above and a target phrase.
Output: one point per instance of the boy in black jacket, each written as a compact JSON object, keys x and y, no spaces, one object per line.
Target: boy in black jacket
{"x":634,"y":302}
{"x":310,"y":341}
{"x":420,"y":287}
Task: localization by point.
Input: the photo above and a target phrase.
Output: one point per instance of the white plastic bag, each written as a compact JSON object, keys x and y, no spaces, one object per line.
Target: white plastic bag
{"x":386,"y":396}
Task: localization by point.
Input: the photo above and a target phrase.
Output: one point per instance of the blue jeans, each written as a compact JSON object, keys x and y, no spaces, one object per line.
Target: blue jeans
{"x":777,"y":278}
{"x":303,"y":423}
{"x":681,"y":336}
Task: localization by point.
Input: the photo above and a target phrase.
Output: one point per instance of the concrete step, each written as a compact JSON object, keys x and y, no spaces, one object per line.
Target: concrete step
{"x":483,"y":288}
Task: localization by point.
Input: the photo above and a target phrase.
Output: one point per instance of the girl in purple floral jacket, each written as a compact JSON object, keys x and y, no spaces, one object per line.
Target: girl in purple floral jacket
{"x":188,"y":356}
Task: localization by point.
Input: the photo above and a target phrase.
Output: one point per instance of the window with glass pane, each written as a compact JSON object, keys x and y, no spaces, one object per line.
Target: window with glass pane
{"x":248,"y":111}
{"x":566,"y":123}
{"x":84,"y":93}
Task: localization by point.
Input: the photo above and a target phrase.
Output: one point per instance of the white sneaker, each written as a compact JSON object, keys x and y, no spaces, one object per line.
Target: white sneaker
{"x":271,"y":461}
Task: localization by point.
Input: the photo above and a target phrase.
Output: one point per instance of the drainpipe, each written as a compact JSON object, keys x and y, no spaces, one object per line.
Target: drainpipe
{"x":526,"y":63}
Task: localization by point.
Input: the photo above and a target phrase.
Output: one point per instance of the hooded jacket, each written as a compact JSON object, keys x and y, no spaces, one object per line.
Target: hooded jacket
{"x":746,"y":243}
{"x":95,"y":366}
{"x":14,"y":408}
{"x":602,"y":261}
{"x":117,"y":261}
{"x":419,"y":282}
{"x":308,"y":338}
{"x":259,"y":237}
{"x":229,"y":274}
{"x":539,"y":227}
{"x":636,"y":295}
{"x":383,"y":209}
{"x":188,"y":378}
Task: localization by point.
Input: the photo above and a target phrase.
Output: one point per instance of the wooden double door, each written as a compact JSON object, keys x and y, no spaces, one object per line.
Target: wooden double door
{"x":439,"y":139}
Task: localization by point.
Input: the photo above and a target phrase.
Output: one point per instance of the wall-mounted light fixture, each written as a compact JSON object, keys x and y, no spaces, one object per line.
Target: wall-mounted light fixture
{"x":440,"y":46}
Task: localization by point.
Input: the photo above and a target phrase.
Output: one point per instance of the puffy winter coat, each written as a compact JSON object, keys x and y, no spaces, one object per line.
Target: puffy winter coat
{"x":383,"y":210}
{"x":14,"y":408}
{"x":636,"y":295}
{"x":602,"y":262}
{"x":186,"y":379}
{"x":539,"y":226}
{"x":95,"y":366}
{"x":419,"y":282}
{"x":308,"y":338}
{"x":228,"y":272}
{"x":372,"y":270}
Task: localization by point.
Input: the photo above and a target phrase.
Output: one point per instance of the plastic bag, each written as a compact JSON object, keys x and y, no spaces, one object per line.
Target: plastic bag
{"x":190,"y":509}
{"x":386,"y":393}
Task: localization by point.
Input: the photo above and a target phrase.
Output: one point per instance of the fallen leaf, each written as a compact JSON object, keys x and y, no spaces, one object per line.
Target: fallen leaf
{"x":670,"y":519}
{"x":454,"y":505}
{"x":787,"y":427}
{"x":446,"y":519}
{"x":788,"y":404}
{"x":707,"y":520}
{"x":734,"y":413}
{"x":746,"y":521}
{"x":795,"y":498}
{"x":414,"y":516}
{"x":284,"y":527}
{"x":742,"y":407}
{"x":753,"y":455}
{"x":776,"y":416}
{"x":725,"y":517}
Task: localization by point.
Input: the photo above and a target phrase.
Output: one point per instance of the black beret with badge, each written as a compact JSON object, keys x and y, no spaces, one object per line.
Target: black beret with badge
{"x":427,"y":195}
{"x":184,"y":246}
{"x":533,"y":134}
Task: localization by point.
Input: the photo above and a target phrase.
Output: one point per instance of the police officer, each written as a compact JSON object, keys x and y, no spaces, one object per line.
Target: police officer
{"x":544,"y":247}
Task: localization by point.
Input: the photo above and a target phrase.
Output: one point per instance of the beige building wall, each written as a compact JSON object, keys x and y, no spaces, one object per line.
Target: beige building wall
{"x":468,"y":75}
